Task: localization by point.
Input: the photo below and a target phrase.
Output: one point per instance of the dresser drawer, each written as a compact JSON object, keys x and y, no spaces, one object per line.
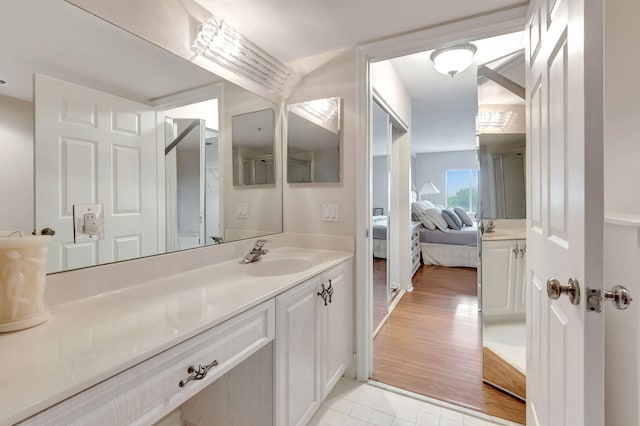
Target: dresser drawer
{"x":148,"y":391}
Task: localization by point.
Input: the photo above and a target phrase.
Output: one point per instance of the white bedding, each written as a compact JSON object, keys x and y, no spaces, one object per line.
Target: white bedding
{"x":449,"y":255}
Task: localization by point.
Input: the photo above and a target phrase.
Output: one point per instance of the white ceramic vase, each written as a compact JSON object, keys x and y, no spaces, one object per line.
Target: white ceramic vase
{"x":23,"y":261}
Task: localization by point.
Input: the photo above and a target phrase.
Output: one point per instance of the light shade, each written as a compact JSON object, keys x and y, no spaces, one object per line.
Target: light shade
{"x":454,"y":59}
{"x":429,"y":188}
{"x":219,"y":42}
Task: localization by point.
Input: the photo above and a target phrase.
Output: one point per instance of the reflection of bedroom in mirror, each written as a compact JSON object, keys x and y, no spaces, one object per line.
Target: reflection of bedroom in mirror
{"x":437,"y":328}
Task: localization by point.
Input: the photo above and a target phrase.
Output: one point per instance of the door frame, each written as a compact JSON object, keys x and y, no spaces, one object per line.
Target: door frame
{"x":464,"y":30}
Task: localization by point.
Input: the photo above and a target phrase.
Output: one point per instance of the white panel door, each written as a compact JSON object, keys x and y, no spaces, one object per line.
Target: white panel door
{"x":94,"y":148}
{"x":564,"y":210}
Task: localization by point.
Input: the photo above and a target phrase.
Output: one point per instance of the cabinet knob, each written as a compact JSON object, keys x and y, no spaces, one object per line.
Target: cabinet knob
{"x":326,"y":293}
{"x":197,"y":374}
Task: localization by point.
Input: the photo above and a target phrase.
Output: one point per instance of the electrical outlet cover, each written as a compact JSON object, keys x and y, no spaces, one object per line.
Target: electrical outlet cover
{"x":88,"y":222}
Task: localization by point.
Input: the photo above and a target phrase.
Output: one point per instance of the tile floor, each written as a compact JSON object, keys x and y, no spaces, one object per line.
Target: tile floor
{"x":353,"y":403}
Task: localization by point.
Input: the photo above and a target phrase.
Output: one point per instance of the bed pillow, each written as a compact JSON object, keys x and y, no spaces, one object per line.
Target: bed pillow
{"x":426,"y":204}
{"x":464,"y":217}
{"x":452,"y":219}
{"x":420,"y":213}
{"x":436,"y":217}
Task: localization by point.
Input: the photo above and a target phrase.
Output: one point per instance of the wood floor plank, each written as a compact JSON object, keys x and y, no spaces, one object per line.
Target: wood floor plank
{"x":431,"y":344}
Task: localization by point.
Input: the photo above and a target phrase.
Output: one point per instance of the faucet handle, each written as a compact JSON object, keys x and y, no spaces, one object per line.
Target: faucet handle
{"x":260,"y":243}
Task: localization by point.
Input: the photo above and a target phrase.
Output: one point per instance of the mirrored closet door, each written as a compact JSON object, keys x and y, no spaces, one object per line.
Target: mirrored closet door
{"x":380,"y":177}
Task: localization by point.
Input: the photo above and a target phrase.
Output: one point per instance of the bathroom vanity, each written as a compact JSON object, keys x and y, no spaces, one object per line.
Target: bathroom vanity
{"x":503,"y":287}
{"x":135,"y":355}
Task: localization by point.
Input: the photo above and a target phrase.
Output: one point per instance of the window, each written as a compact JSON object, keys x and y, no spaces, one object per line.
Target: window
{"x":462,"y":189}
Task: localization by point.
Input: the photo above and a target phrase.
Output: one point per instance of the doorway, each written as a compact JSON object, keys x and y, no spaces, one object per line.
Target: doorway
{"x":432,"y":343}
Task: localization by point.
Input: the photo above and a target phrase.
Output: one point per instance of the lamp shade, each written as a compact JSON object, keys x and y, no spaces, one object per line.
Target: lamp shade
{"x":428,"y":188}
{"x":454,"y":59}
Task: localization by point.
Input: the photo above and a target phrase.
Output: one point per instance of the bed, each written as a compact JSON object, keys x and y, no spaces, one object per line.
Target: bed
{"x":379,"y":226}
{"x":455,"y":248}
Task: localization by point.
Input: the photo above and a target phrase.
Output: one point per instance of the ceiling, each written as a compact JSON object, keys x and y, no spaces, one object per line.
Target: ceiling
{"x":291,"y":30}
{"x":444,"y":109}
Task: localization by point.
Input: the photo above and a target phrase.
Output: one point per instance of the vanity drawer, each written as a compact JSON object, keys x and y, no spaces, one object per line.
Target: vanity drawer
{"x":148,"y":391}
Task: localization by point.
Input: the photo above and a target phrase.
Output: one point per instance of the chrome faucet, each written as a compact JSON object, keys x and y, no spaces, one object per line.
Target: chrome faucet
{"x":256,"y":252}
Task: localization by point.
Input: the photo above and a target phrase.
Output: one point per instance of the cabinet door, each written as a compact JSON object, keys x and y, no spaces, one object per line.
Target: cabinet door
{"x":498,"y":277}
{"x":520,"y":305}
{"x":337,"y":326}
{"x":297,"y":376}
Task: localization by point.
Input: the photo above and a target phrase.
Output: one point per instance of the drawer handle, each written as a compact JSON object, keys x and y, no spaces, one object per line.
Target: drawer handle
{"x":198,"y":374}
{"x":326,"y":293}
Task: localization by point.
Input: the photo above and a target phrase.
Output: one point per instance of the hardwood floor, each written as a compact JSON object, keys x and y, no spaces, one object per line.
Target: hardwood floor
{"x":380,"y":300}
{"x":431,"y":344}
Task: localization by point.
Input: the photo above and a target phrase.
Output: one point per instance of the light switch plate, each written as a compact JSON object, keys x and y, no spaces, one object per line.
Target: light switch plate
{"x":242,"y":211}
{"x":330,"y":213}
{"x":88,"y":222}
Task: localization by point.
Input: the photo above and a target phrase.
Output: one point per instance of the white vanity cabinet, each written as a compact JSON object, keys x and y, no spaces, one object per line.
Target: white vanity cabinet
{"x":503,"y":270}
{"x":148,"y":391}
{"x":314,"y":344}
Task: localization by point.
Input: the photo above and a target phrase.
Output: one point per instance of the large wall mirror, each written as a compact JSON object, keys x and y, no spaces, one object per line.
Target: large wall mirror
{"x":313,"y":140}
{"x":502,"y":208}
{"x":116,"y":122}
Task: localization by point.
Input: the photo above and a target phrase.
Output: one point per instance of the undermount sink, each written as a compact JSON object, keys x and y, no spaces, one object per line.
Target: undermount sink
{"x":266,"y":267}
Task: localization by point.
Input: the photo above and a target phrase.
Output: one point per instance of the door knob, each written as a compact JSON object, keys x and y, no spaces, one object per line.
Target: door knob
{"x":555,"y":290}
{"x":619,"y":295}
{"x":45,"y":231}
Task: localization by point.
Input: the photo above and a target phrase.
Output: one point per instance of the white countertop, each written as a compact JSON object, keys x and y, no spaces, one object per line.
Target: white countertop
{"x":505,"y":234}
{"x":90,"y":340}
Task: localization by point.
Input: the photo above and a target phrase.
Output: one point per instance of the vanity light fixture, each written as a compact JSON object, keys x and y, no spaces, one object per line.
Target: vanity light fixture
{"x":323,"y":109}
{"x":454,"y":59}
{"x":219,"y":42}
{"x":494,"y":119}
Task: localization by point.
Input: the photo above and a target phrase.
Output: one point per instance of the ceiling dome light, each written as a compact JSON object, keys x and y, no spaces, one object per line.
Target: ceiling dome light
{"x":454,"y":59}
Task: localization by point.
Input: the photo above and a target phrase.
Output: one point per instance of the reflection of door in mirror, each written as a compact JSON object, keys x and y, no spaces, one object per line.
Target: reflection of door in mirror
{"x":313,"y":140}
{"x":94,"y":148}
{"x":184,"y":177}
{"x":252,"y":138}
{"x":192,"y":183}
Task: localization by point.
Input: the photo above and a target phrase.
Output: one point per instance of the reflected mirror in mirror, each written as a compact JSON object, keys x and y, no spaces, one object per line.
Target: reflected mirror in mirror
{"x":131,"y":127}
{"x":502,"y":176}
{"x":313,"y":139}
{"x":252,"y":137}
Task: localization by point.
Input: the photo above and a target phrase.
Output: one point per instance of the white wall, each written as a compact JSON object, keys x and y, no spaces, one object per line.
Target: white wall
{"x":328,"y":75}
{"x":380,"y":182}
{"x":388,"y":86}
{"x":433,"y":167}
{"x":621,"y":174}
{"x":16,"y":165}
{"x":621,"y":108}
